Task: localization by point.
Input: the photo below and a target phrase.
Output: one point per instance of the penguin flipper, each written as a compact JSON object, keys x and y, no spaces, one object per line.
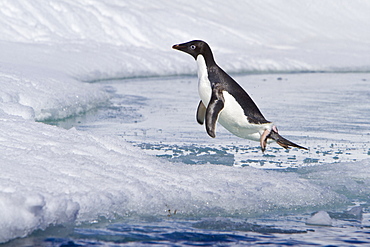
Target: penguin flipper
{"x":215,"y":106}
{"x":201,"y":113}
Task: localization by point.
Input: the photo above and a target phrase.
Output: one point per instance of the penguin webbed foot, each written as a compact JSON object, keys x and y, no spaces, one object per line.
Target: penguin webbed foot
{"x":273,"y":134}
{"x":263,"y":139}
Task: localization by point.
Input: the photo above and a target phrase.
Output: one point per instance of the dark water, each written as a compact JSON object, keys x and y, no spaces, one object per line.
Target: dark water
{"x":285,"y":230}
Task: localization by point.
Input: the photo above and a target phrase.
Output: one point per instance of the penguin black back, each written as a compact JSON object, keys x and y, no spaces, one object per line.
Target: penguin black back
{"x":217,"y":76}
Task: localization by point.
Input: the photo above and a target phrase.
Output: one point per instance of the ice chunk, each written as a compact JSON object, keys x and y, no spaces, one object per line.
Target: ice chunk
{"x":320,"y":218}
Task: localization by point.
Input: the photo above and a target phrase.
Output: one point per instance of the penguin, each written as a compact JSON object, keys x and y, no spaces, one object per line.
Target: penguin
{"x":223,"y":100}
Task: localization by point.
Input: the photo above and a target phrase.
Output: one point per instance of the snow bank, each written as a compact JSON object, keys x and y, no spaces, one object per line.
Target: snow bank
{"x":46,"y":95}
{"x":103,"y":39}
{"x":54,"y":176}
{"x":349,"y":179}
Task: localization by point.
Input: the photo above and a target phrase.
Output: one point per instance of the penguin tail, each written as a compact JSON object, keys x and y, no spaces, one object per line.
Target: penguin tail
{"x":282,"y":141}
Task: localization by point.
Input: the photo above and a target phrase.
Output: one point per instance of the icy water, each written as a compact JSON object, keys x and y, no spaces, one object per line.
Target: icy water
{"x":328,"y":113}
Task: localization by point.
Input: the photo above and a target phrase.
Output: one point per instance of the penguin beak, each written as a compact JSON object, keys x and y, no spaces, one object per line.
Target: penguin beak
{"x":179,"y":47}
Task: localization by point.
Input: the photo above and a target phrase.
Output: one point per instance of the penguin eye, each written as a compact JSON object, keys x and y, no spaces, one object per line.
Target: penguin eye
{"x":193,"y":47}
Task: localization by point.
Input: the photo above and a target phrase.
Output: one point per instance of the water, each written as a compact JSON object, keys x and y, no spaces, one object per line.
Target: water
{"x":324,"y":112}
{"x":284,"y":230}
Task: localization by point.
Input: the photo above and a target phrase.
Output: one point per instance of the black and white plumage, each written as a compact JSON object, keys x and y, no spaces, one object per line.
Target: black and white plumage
{"x":223,"y":100}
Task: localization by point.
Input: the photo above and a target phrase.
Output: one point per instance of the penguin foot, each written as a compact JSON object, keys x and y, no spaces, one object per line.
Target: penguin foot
{"x":273,"y":134}
{"x":282,"y":141}
{"x":263,"y":139}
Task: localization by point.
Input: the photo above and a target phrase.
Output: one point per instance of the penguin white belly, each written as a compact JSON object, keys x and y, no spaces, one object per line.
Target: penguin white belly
{"x":232,"y":115}
{"x":233,"y":119}
{"x":204,"y":85}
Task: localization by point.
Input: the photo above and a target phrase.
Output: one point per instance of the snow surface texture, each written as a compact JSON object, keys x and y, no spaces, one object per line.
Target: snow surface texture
{"x":52,"y":176}
{"x":56,"y":176}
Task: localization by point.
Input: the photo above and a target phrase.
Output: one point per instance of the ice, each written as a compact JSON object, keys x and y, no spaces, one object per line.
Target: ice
{"x":41,"y":94}
{"x":320,"y":218}
{"x":347,"y":179}
{"x":52,"y":52}
{"x":54,"y":176}
{"x":25,"y":211}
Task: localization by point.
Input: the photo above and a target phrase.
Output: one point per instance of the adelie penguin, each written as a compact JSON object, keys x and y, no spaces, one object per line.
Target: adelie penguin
{"x":225,"y":101}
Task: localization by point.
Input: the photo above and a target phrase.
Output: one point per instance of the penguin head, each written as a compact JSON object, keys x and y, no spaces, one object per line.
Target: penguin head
{"x":194,"y":48}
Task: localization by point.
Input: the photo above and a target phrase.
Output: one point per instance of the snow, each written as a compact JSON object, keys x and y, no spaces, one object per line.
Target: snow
{"x":54,"y":176}
{"x":43,"y":95}
{"x":52,"y":52}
